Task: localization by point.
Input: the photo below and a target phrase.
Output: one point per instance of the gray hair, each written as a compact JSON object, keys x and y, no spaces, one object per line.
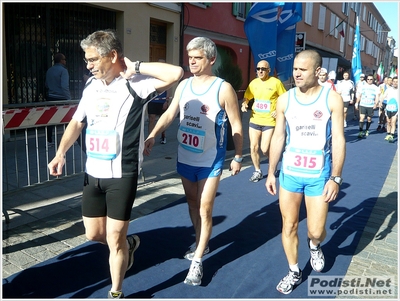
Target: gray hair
{"x":205,"y":44}
{"x":104,"y":41}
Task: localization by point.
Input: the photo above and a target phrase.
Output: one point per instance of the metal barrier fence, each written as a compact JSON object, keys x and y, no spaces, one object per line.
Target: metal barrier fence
{"x":26,"y":152}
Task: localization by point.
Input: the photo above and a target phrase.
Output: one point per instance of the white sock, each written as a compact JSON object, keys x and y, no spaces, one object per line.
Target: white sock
{"x":294,"y":267}
{"x":312,"y":246}
{"x":197,"y":260}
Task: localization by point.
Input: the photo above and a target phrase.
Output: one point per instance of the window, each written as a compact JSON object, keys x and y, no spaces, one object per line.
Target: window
{"x":321,"y":17}
{"x":241,"y":9}
{"x":351,"y":36}
{"x":308,"y":14}
{"x":357,"y":8}
{"x":362,"y":43}
{"x":332,"y":25}
{"x":202,"y":4}
{"x":364,"y":13}
{"x":345,"y":8}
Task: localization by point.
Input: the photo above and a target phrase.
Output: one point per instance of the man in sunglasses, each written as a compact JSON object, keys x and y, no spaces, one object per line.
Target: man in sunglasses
{"x":265,"y":91}
{"x":367,"y":101}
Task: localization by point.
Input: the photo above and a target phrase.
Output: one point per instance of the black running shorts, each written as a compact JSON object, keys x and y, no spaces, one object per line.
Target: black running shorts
{"x":109,"y":197}
{"x":155,"y":108}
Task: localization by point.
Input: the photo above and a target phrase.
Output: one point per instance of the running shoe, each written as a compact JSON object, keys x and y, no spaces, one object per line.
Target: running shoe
{"x":345,"y":124}
{"x":360,"y":134}
{"x":115,"y":295}
{"x":387,"y":137}
{"x":289,"y":282}
{"x":195,"y":274}
{"x":317,"y":259}
{"x":257,"y":176}
{"x":366,"y":133}
{"x":390,"y":138}
{"x":163,"y":140}
{"x":190,"y":253}
{"x":134,"y":242}
{"x":379,"y":128}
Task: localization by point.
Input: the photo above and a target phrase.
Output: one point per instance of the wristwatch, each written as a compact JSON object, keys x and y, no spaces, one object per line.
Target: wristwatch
{"x":238,"y":160}
{"x":338,"y":180}
{"x":137,"y":67}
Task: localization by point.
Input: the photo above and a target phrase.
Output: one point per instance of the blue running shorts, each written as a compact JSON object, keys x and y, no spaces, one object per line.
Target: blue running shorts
{"x":307,"y":186}
{"x":195,"y":174}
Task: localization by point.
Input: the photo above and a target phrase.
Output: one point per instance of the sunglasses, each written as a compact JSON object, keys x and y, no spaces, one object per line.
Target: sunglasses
{"x":261,"y":69}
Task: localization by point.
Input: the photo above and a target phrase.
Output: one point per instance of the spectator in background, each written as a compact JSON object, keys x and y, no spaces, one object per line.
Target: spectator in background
{"x":57,"y":84}
{"x":323,"y":79}
{"x":358,"y":87}
{"x":391,"y":96}
{"x":265,"y":91}
{"x":331,"y":79}
{"x":345,"y":89}
{"x":367,"y":101}
{"x":387,"y":82}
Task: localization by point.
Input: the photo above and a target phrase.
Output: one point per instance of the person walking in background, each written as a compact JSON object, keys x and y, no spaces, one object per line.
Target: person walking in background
{"x":387,"y":82}
{"x":359,"y":85}
{"x":345,"y":88}
{"x":309,"y":118}
{"x":112,"y":105}
{"x":57,"y":84}
{"x":367,"y":101}
{"x":265,"y":91}
{"x":204,"y":102}
{"x":323,"y":79}
{"x":157,"y":107}
{"x":331,"y":79}
{"x":391,"y":96}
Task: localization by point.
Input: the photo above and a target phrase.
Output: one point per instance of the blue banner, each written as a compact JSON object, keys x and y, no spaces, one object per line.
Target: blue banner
{"x":356,"y":66}
{"x":271,"y":30}
{"x":290,"y":15}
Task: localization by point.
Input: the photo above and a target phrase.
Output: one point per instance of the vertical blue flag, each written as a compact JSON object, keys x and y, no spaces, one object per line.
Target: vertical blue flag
{"x":271,"y":29}
{"x":290,"y":15}
{"x":356,"y":66}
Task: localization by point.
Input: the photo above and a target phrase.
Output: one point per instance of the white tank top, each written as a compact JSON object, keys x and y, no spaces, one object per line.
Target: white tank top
{"x":307,"y":152}
{"x":202,"y":131}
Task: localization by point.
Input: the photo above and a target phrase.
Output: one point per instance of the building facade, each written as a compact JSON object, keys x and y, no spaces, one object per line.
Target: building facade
{"x":322,"y":23}
{"x":34,"y":32}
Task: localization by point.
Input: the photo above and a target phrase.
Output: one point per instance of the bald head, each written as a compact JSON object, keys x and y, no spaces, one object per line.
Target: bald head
{"x":312,"y":55}
{"x":263,"y":69}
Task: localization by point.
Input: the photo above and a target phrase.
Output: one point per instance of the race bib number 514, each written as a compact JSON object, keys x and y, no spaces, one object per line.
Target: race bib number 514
{"x":102,"y":144}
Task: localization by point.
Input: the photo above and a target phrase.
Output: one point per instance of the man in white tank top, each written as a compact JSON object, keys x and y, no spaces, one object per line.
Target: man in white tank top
{"x":310,"y":117}
{"x":204,"y":102}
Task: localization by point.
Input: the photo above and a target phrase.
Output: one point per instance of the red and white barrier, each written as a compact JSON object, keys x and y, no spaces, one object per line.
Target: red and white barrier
{"x":39,"y":116}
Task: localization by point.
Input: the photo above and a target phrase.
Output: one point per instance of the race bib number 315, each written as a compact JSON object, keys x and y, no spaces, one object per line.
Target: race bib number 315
{"x":102,"y":144}
{"x":304,"y":161}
